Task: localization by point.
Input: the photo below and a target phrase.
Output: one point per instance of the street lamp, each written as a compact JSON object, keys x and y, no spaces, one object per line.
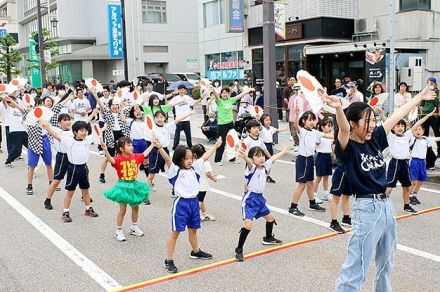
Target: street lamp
{"x":54,"y":22}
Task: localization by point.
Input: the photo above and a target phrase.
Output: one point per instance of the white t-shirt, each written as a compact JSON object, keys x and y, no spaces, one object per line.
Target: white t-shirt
{"x":251,"y":142}
{"x":82,"y":106}
{"x":14,"y":119}
{"x":420,"y":148}
{"x":204,"y":183}
{"x":399,"y":146}
{"x":57,"y":144}
{"x":324,"y":145}
{"x":137,"y":129}
{"x":64,"y":108}
{"x":307,"y":141}
{"x":77,"y":151}
{"x":164,"y":133}
{"x":185,"y":181}
{"x":185,"y":107}
{"x":266,"y":134}
{"x":105,"y":101}
{"x":3,"y":114}
{"x":256,"y":177}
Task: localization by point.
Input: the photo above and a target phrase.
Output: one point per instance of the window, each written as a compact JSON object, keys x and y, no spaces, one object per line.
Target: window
{"x":154,"y":11}
{"x":415,"y":4}
{"x":213,"y":13}
{"x":155,"y":49}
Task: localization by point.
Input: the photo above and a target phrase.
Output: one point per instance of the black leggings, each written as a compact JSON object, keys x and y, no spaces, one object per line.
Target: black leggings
{"x":201,"y":196}
{"x":222,"y":131}
{"x":17,"y":141}
{"x":184,"y":126}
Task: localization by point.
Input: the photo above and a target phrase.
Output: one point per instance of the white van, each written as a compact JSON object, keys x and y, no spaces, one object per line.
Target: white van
{"x":191,"y":77}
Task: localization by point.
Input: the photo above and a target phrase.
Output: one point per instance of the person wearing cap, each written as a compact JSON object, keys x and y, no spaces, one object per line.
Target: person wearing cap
{"x":303,"y":104}
{"x":354,"y":95}
{"x":426,"y":107}
{"x":339,"y":89}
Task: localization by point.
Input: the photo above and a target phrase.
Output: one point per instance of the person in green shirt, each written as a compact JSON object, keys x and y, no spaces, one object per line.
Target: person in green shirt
{"x":154,"y":106}
{"x":225,"y":120}
{"x":426,"y":107}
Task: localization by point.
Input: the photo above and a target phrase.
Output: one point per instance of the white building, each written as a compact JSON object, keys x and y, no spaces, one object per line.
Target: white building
{"x":8,"y":16}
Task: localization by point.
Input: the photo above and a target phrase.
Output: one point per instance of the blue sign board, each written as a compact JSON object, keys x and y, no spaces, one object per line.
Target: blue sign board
{"x":115,"y":45}
{"x":235,"y":16}
{"x":225,"y":74}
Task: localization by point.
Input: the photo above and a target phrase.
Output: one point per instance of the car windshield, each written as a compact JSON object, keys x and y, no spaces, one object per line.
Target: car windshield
{"x":171,"y":77}
{"x":192,"y":76}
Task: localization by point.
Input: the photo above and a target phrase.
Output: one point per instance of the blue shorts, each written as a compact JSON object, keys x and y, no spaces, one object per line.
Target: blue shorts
{"x":157,"y":163}
{"x":398,"y":170}
{"x":77,"y":175}
{"x":269,"y":147}
{"x":304,"y":169}
{"x":61,"y":166}
{"x":185,"y":213}
{"x":253,"y":205}
{"x":417,"y":169}
{"x":46,"y":156}
{"x":340,"y":184}
{"x":140,"y":145}
{"x":323,"y":164}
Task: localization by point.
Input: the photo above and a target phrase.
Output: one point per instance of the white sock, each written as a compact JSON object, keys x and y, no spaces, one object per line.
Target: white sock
{"x":88,"y":207}
{"x":66,"y":210}
{"x":118,"y":227}
{"x":134,"y":223}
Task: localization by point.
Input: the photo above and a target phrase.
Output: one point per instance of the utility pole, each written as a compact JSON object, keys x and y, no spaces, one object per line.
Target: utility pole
{"x":124,"y":39}
{"x":41,"y":44}
{"x":270,"y":92}
{"x":392,"y":56}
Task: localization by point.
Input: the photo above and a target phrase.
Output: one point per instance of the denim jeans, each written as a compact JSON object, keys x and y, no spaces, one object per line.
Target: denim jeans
{"x":373,"y":234}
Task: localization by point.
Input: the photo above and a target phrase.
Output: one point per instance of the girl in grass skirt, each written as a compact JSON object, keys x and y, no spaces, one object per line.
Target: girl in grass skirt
{"x":127,"y":191}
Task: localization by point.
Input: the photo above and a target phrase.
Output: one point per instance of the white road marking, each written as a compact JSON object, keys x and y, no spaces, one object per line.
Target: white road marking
{"x":419,"y":253}
{"x":426,"y":189}
{"x":95,"y":272}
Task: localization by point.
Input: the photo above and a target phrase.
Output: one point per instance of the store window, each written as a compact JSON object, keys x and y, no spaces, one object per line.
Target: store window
{"x":154,"y":11}
{"x":213,"y":13}
{"x":415,"y":5}
{"x":226,"y":66}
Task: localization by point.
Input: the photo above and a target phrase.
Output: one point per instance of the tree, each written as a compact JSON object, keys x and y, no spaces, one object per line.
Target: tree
{"x":49,"y":45}
{"x":9,"y":56}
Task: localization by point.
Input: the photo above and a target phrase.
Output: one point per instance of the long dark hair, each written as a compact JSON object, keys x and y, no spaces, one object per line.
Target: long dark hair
{"x":356,"y":111}
{"x":150,"y":102}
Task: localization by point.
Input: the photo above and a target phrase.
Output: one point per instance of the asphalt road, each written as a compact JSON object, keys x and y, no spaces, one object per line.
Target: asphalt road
{"x":38,"y":252}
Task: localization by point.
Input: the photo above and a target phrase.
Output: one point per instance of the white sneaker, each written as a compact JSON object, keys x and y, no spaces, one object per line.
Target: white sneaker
{"x":208,"y":217}
{"x":218,"y":163}
{"x":290,"y":138}
{"x":119,"y":234}
{"x":153,"y":187}
{"x":135,"y":230}
{"x":318,"y":200}
{"x":101,"y":152}
{"x":326,"y":196}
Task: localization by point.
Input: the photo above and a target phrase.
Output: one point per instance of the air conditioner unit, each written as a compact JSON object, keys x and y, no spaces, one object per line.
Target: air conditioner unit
{"x":406,"y":75}
{"x":413,"y":76}
{"x":365,"y":25}
{"x":415,"y":61}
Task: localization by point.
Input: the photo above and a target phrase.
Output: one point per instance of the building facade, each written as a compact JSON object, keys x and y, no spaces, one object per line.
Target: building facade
{"x":8,"y":23}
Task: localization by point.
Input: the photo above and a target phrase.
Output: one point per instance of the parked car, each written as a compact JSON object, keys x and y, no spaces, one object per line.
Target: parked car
{"x":191,"y":77}
{"x":160,"y":77}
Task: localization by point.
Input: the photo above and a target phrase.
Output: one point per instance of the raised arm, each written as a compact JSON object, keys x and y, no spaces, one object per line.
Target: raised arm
{"x":242,"y":154}
{"x":182,"y":117}
{"x":45,"y":125}
{"x":277,"y":156}
{"x":422,"y":120}
{"x":92,"y":116}
{"x":212,"y":150}
{"x":107,"y":155}
{"x":14,"y":103}
{"x":148,"y":150}
{"x":401,"y":112}
{"x":240,"y":96}
{"x":165,"y":156}
{"x":296,"y":120}
{"x":341,"y":119}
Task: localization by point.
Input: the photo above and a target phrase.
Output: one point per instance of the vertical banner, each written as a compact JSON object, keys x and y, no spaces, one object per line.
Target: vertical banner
{"x":35,"y":65}
{"x":280,"y":19}
{"x":375,"y":65}
{"x":115,"y":45}
{"x":234,"y":13}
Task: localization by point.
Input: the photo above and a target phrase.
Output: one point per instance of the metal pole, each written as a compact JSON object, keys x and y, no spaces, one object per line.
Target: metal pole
{"x":41,"y":44}
{"x":392,"y":57}
{"x":270,"y":92}
{"x":124,"y":40}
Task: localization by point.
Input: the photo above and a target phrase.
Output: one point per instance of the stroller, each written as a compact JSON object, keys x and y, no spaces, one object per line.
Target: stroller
{"x":240,"y":124}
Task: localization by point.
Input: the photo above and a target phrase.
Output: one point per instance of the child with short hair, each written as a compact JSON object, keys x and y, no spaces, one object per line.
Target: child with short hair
{"x":253,"y":139}
{"x":78,"y":153}
{"x":253,"y":203}
{"x":323,"y":160}
{"x":184,"y":175}
{"x":127,"y":191}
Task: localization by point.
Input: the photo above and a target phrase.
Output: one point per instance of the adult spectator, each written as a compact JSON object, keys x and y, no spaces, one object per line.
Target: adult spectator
{"x":287,"y":92}
{"x":112,"y":85}
{"x":402,"y":96}
{"x":426,"y":107}
{"x":347,"y":79}
{"x":339,"y":89}
{"x":354,"y":95}
{"x":184,"y":104}
{"x":209,"y":128}
{"x":299,"y":99}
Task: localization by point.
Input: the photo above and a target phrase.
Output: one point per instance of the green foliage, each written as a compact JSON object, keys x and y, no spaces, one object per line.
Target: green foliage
{"x":9,"y":56}
{"x":49,"y":44}
{"x":196,"y":92}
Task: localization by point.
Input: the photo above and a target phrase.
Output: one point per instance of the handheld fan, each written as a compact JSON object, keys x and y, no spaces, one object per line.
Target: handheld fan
{"x":40,"y":112}
{"x":232,"y":144}
{"x":310,"y":88}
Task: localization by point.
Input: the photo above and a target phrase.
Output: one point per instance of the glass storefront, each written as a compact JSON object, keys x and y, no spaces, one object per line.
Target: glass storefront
{"x":226,"y":67}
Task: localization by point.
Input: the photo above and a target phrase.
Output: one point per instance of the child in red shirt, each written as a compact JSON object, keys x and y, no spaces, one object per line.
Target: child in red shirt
{"x":127,"y":191}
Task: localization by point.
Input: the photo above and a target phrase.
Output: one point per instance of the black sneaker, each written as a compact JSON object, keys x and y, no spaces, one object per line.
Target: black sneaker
{"x":415,"y":200}
{"x":336,"y":227}
{"x":82,"y":199}
{"x":270,"y":180}
{"x":346,"y":221}
{"x":91,"y":213}
{"x":296,"y":212}
{"x":271,"y":241}
{"x":29,"y":190}
{"x":66,"y":217}
{"x":57,"y":189}
{"x":147,"y":202}
{"x":170,"y":267}
{"x":316,"y":207}
{"x":47,"y":204}
{"x":201,"y":255}
{"x":102,"y":180}
{"x":8,"y":165}
{"x":409,"y":210}
{"x":239,"y":254}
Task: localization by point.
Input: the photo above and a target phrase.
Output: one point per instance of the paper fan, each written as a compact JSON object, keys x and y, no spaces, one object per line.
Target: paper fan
{"x":413,"y":114}
{"x":378,"y":100}
{"x":310,"y":86}
{"x":28,"y":100}
{"x":150,"y":130}
{"x":122,"y":92}
{"x":97,"y":131}
{"x":40,"y":112}
{"x":18,"y":82}
{"x":7,"y":88}
{"x":257,"y":111}
{"x":332,"y":110}
{"x":137,"y":98}
{"x":232,"y":144}
{"x":92,"y":83}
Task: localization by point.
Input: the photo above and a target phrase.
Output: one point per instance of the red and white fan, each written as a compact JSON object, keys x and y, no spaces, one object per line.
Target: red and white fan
{"x":232,"y":144}
{"x":7,"y":88}
{"x":28,"y":100}
{"x":136,"y":98}
{"x":40,"y":112}
{"x":310,"y":87}
{"x":93,"y":83}
{"x":19,"y":81}
{"x":97,"y":131}
{"x":332,"y":110}
{"x":150,"y":130}
{"x":257,"y":111}
{"x":378,"y":100}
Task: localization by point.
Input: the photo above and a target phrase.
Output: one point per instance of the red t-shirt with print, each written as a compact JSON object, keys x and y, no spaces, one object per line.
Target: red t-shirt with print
{"x":127,"y":167}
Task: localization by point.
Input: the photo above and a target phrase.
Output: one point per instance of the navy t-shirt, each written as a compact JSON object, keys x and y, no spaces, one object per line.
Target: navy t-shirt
{"x":365,"y":164}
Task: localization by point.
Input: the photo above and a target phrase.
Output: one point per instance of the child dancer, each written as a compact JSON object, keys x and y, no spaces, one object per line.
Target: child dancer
{"x":198,"y":151}
{"x":127,"y":191}
{"x":253,"y":204}
{"x":253,"y":139}
{"x":323,"y":162}
{"x":266,"y":134}
{"x":308,"y":138}
{"x":340,"y":191}
{"x":184,"y":175}
{"x":419,"y":148}
{"x":137,"y":128}
{"x":77,"y":149}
